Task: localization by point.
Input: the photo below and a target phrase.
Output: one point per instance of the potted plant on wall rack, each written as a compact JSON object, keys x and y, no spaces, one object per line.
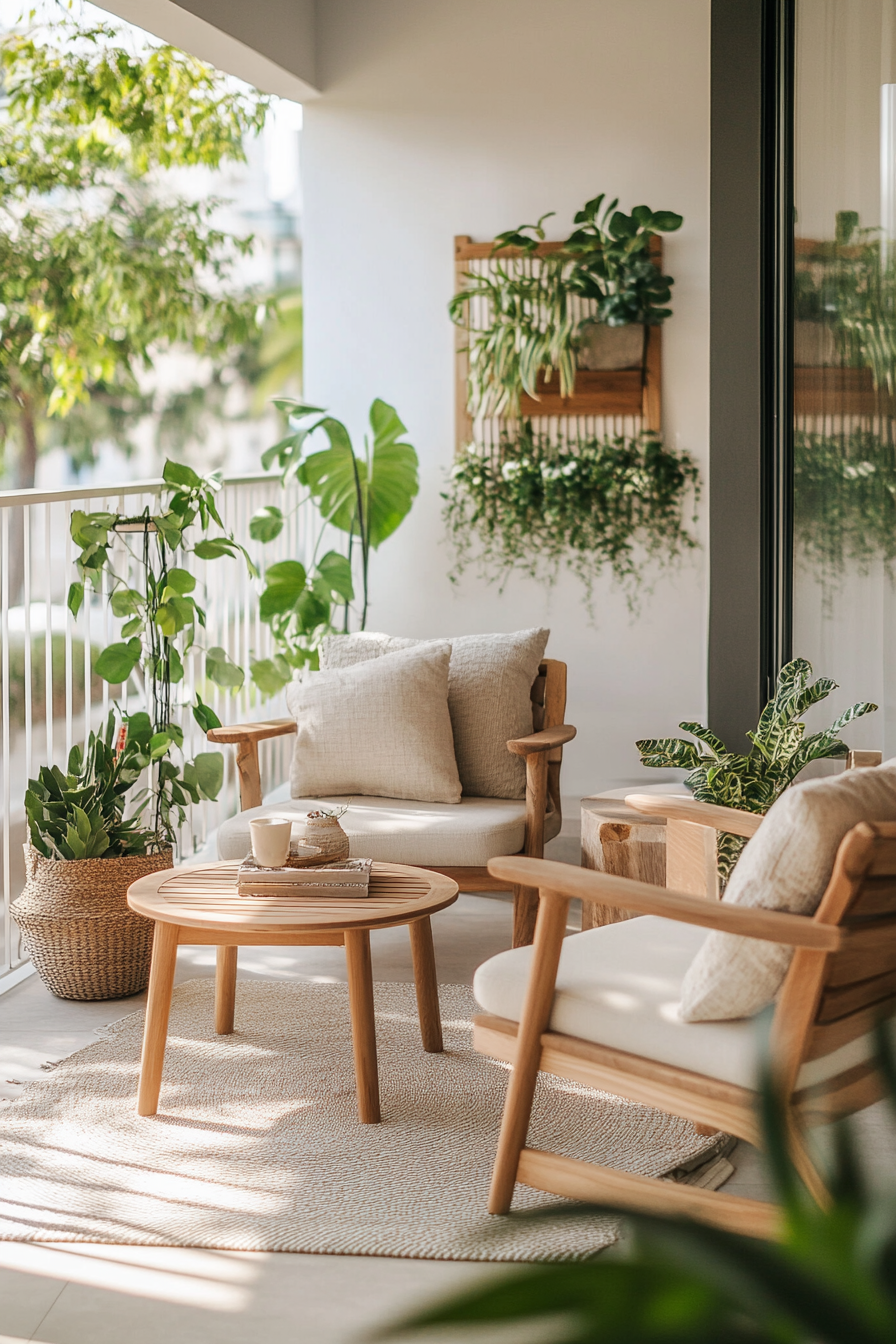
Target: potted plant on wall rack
{"x":533,"y":325}
{"x":366,"y":497}
{"x":93,"y":831}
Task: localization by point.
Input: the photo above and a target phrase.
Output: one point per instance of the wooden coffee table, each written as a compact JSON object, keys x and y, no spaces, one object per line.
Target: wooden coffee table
{"x":200,"y":905}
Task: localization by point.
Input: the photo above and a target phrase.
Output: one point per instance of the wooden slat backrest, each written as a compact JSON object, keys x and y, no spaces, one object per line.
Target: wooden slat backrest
{"x":832,"y":998}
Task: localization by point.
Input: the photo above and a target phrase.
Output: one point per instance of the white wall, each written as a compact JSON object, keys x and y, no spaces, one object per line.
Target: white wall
{"x":438,"y":119}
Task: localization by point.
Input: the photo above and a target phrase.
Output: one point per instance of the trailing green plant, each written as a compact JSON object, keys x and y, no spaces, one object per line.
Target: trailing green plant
{"x":830,"y":1279}
{"x":534,"y":504}
{"x":163,"y":621}
{"x":780,"y":750}
{"x":367,"y":497}
{"x":844,"y":500}
{"x":80,"y":814}
{"x":531,"y":326}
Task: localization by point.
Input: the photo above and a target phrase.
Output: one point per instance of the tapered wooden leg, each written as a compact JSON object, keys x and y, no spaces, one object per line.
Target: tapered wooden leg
{"x":802,"y":1160}
{"x":525,"y":910}
{"x":428,"y":1010}
{"x":225,"y":990}
{"x":549,"y":931}
{"x":158,"y":1006}
{"x":360,"y":997}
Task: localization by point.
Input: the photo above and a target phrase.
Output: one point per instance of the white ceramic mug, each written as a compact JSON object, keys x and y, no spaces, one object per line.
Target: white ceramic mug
{"x":270,"y":841}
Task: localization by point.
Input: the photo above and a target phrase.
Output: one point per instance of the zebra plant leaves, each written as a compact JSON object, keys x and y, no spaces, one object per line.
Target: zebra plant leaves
{"x":779,"y":752}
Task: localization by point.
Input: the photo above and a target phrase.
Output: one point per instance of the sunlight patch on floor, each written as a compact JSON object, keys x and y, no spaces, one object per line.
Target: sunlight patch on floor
{"x":211,"y":1280}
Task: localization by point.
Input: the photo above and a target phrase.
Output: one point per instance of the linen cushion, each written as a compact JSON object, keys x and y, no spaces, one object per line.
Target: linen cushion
{"x":489,"y":684}
{"x":395,"y":830}
{"x":785,"y":866}
{"x":620,"y":986}
{"x":381,"y":728}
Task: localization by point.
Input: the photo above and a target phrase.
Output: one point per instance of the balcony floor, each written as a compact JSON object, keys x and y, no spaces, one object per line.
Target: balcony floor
{"x":74,"y":1293}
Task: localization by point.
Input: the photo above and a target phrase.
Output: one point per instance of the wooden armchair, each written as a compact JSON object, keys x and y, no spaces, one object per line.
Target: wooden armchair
{"x":842,"y":979}
{"x":543,"y":752}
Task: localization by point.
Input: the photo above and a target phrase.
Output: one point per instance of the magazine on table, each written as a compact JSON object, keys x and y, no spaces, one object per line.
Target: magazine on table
{"x":345,"y":877}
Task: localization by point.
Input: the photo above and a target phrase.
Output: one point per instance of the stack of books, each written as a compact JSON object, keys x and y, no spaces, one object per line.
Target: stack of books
{"x":347,"y":877}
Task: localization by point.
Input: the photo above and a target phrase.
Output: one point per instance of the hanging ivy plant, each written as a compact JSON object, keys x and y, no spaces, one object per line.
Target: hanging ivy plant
{"x":535,"y":505}
{"x":845,"y":501}
{"x":531,"y":327}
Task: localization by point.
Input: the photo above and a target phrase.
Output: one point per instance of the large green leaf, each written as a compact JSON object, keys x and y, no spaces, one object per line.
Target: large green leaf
{"x":206,"y":771}
{"x":116,"y":663}
{"x":222,"y":670}
{"x":337,"y":573}
{"x":393,"y":482}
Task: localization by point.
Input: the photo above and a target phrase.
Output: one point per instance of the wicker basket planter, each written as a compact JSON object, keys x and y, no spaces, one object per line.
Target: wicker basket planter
{"x":83,"y":940}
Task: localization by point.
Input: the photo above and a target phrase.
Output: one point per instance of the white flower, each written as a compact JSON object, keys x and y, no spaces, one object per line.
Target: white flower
{"x":510,"y":469}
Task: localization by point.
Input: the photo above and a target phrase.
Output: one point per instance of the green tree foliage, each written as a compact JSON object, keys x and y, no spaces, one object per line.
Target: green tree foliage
{"x":99,"y":268}
{"x":779,"y":752}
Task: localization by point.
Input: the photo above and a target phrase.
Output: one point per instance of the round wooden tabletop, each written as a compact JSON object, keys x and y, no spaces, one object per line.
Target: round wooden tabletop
{"x":206,"y":897}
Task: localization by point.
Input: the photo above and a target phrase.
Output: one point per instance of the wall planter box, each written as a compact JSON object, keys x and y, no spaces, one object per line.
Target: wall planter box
{"x":599,"y":392}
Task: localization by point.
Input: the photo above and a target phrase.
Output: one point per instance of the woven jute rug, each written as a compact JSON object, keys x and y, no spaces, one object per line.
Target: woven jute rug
{"x":257,"y":1146}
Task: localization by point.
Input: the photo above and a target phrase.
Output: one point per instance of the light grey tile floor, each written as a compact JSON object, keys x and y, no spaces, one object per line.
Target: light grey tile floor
{"x":85,"y":1294}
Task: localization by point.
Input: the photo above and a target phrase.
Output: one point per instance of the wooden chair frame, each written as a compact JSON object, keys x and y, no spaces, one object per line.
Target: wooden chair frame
{"x":543,"y":753}
{"x":841,"y":980}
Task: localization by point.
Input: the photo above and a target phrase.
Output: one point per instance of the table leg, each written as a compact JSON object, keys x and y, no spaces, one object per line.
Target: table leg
{"x":427,"y":985}
{"x":225,"y":990}
{"x":158,"y":1006}
{"x":360,"y":997}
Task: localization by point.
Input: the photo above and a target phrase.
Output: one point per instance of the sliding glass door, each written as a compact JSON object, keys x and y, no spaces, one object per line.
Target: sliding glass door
{"x":844,"y":355}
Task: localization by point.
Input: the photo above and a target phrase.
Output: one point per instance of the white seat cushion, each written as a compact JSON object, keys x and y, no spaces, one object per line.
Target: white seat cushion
{"x":464,"y":834}
{"x":620,"y":986}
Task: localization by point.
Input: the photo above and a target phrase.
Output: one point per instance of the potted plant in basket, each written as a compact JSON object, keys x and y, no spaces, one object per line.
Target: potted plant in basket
{"x":93,"y":831}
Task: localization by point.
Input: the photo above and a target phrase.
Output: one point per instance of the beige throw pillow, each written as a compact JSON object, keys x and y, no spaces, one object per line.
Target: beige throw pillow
{"x":380,"y":728}
{"x":786,"y":866}
{"x":489,"y":685}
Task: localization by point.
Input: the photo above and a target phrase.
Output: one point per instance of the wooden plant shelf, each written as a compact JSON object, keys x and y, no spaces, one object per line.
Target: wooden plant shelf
{"x":823,"y":390}
{"x":598,"y":392}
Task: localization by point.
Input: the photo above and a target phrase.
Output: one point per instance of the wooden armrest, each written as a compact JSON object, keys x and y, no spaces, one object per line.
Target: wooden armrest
{"x":730,"y":819}
{"x":545,"y":740}
{"x":771,"y":926}
{"x":252,"y":732}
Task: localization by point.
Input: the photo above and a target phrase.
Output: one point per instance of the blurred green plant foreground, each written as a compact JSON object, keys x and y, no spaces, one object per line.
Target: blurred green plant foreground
{"x":830,"y":1279}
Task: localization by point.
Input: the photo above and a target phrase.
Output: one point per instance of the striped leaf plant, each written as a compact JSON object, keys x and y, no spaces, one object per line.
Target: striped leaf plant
{"x":780,"y":750}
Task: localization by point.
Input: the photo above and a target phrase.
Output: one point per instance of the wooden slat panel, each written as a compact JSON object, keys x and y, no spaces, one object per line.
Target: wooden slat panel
{"x":866,"y":952}
{"x":829,"y":1036}
{"x":876,"y":897}
{"x":839,"y":1002}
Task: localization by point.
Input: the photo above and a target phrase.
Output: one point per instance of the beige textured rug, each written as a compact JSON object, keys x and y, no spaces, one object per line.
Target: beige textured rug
{"x":257,"y":1145}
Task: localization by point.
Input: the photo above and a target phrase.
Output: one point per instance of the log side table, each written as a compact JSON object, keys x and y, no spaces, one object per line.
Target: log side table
{"x":201,"y":905}
{"x":617,"y":839}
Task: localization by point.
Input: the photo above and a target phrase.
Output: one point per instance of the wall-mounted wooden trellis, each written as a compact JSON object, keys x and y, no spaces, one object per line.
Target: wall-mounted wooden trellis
{"x":605,"y":400}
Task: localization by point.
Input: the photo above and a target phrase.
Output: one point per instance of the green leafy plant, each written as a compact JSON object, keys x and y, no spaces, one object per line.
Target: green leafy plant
{"x":780,"y":750}
{"x":531,"y":327}
{"x":831,"y":1279}
{"x":80,"y":814}
{"x":534,"y":505}
{"x":844,"y":501}
{"x":162,"y":622}
{"x":367,"y":497}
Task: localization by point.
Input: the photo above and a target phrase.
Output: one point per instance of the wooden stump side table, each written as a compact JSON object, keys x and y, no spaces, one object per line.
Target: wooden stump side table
{"x":200,"y":905}
{"x":617,"y":839}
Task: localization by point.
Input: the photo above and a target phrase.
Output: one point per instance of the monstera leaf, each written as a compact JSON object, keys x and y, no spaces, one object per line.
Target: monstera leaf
{"x":372,"y":495}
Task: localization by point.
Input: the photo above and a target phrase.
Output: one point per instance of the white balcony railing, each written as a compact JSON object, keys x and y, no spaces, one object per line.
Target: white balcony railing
{"x":49,"y":695}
